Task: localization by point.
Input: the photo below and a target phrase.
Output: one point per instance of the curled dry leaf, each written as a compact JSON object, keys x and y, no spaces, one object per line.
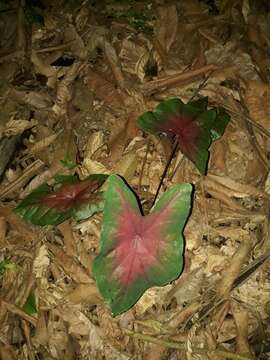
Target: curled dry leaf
{"x":76,"y":43}
{"x":240,"y":316}
{"x":71,"y":267}
{"x":63,"y":94}
{"x":126,"y":166}
{"x":39,"y":100}
{"x":136,"y":59}
{"x":16,"y":126}
{"x":42,"y":144}
{"x":41,"y":262}
{"x":44,"y":69}
{"x":231,"y":272}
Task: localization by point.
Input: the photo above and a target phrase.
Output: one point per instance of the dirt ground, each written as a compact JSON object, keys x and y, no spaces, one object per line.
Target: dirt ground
{"x":74,"y":78}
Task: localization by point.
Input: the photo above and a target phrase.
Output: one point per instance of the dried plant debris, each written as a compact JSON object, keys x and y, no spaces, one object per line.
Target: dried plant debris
{"x":111,"y":110}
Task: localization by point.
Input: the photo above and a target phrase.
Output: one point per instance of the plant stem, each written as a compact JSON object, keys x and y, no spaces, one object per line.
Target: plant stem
{"x":165,"y":170}
{"x":182,"y":346}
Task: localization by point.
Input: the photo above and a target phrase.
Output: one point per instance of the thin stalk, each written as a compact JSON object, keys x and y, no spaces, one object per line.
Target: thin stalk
{"x":222,"y":354}
{"x":166,"y":170}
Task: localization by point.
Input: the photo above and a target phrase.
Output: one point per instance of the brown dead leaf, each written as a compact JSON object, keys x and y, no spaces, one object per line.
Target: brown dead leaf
{"x":218,"y":318}
{"x":90,"y":166}
{"x":257,"y":100}
{"x":26,"y":231}
{"x":120,"y":139}
{"x":126,"y":166}
{"x":240,"y":316}
{"x":183,"y":315}
{"x":41,"y":262}
{"x":218,"y":156}
{"x":63,"y":94}
{"x":103,"y":89}
{"x":64,"y":149}
{"x":257,"y":45}
{"x":236,"y":189}
{"x":76,"y":43}
{"x":138,"y":56}
{"x":112,"y":57}
{"x":134,"y":58}
{"x":166,"y":26}
{"x":71,"y":267}
{"x":16,"y":126}
{"x":44,"y":69}
{"x":7,"y":353}
{"x":42,"y":144}
{"x":68,"y":238}
{"x":3,"y":230}
{"x":38,"y":100}
{"x":84,"y":294}
{"x":152,"y":297}
{"x":80,"y":326}
{"x":230,"y":273}
{"x":94,"y":144}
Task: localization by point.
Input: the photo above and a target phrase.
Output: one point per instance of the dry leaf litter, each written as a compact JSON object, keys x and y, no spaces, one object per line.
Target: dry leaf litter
{"x":73,"y":88}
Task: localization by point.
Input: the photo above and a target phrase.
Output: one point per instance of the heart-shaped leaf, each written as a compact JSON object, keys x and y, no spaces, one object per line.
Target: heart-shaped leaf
{"x":73,"y":198}
{"x":136,"y":251}
{"x":194,"y":126}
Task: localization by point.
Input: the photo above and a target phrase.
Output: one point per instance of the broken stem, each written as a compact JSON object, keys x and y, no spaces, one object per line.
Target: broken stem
{"x":165,"y":170}
{"x":183,"y":346}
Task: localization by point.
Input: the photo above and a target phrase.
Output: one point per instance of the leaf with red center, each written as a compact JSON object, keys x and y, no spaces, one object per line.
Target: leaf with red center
{"x":136,"y":251}
{"x":74,"y":198}
{"x":192,"y":124}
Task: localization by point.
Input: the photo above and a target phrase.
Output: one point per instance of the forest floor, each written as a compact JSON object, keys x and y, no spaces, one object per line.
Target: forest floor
{"x":74,"y":78}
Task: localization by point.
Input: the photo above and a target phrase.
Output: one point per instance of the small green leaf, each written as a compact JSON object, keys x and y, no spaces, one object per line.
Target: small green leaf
{"x":30,"y":306}
{"x":6,"y":264}
{"x":68,"y":164}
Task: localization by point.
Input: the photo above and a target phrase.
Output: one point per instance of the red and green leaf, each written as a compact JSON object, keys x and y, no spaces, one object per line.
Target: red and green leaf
{"x":192,"y":124}
{"x":72,"y":198}
{"x":136,"y":251}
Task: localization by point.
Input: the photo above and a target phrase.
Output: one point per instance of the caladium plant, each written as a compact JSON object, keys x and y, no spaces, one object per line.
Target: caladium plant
{"x":193,"y":126}
{"x":72,"y":198}
{"x":136,"y":251}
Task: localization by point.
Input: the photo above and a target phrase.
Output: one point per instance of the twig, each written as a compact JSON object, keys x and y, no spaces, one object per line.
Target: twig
{"x":17,"y":311}
{"x":244,"y":275}
{"x":29,"y":344}
{"x":171,"y":80}
{"x":201,"y":86}
{"x":182,"y":346}
{"x":27,"y":174}
{"x":54,"y":48}
{"x":260,"y":128}
{"x":165,"y":170}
